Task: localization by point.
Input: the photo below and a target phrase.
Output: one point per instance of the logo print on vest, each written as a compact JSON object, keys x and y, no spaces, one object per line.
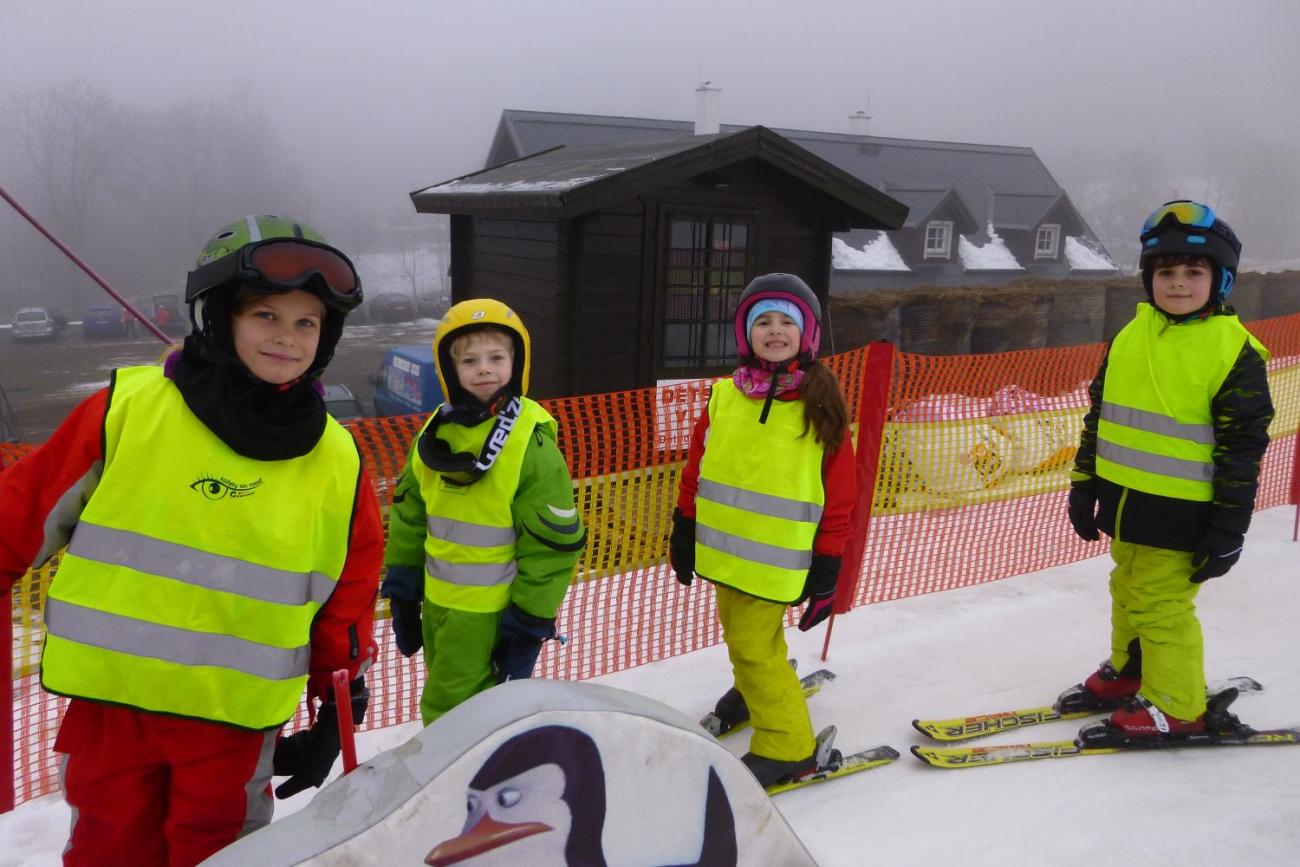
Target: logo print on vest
{"x":219,"y":487}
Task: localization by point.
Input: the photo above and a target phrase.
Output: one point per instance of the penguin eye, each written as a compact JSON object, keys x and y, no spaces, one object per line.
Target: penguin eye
{"x":471,"y":803}
{"x":508,"y":797}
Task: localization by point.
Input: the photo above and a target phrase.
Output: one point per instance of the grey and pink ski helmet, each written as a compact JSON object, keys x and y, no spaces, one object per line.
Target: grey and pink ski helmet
{"x":784,"y":287}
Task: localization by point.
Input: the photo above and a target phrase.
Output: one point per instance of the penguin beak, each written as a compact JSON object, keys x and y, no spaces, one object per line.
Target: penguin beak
{"x":486,"y":835}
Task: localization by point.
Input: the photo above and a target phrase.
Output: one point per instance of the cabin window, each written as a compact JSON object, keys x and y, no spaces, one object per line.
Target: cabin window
{"x":706,"y":274}
{"x":938,"y":239}
{"x":1045,"y":243}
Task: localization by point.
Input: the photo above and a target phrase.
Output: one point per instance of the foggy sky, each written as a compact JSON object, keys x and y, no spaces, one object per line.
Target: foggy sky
{"x":382,"y":98}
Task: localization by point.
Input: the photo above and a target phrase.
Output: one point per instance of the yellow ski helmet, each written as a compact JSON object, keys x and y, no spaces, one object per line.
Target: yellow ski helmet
{"x":473,"y":315}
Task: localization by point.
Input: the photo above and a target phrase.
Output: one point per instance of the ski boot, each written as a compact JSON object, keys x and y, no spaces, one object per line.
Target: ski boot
{"x":1105,"y":689}
{"x":729,"y":712}
{"x":770,"y":772}
{"x":1140,"y":723}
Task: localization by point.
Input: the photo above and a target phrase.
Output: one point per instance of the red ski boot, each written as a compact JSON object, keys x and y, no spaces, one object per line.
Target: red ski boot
{"x":1139,"y":718}
{"x":1104,"y":689}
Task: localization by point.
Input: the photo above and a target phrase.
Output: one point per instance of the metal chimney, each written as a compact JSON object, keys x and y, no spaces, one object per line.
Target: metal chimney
{"x":859,"y":123}
{"x":707,"y":100}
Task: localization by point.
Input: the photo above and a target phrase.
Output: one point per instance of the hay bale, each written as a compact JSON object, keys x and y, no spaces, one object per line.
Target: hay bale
{"x":1010,"y":317}
{"x":1280,"y":294}
{"x":937,"y":320}
{"x":1121,"y":301}
{"x":1077,"y":314}
{"x":864,"y":317}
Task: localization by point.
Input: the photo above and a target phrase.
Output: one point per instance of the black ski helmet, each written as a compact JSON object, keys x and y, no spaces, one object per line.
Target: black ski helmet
{"x":1186,"y":228}
{"x":787,"y":287}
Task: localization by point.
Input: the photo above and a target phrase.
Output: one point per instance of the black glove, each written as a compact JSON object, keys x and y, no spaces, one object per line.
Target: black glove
{"x":307,"y":757}
{"x":819,"y":590}
{"x":519,"y":642}
{"x":681,"y":548}
{"x":1218,"y":552}
{"x":1083,"y":510}
{"x":406,"y":625}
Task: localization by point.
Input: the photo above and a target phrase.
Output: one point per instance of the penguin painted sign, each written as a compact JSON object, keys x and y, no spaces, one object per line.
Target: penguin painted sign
{"x":539,"y":773}
{"x":550,"y":781}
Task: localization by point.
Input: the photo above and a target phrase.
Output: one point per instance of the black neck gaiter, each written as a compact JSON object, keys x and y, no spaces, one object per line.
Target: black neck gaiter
{"x":256,"y":419}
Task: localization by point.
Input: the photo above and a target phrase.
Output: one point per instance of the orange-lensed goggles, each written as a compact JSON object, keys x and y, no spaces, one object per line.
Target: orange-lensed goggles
{"x":277,"y":264}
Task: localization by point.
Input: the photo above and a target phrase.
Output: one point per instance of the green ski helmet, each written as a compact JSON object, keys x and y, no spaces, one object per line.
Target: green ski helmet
{"x":271,"y":255}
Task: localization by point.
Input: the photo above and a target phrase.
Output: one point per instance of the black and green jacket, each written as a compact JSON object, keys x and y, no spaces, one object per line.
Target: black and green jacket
{"x":1242,"y":411}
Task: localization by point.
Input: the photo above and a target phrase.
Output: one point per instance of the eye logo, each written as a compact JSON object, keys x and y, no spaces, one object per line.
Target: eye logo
{"x":218,"y":487}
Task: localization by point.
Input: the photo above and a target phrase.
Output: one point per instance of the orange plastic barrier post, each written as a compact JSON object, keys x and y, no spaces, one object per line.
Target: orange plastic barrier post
{"x":1295,"y":487}
{"x":347,"y":730}
{"x":877,"y":371}
{"x":7,"y":702}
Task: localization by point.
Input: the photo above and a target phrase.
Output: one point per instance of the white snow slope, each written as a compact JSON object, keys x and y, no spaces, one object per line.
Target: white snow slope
{"x":1011,"y":643}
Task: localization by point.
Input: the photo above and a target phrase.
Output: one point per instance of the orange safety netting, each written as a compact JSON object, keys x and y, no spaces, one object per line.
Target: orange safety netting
{"x":973,"y":467}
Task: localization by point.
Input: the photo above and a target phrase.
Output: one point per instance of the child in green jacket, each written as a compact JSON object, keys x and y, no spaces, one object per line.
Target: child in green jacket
{"x":484,"y":534}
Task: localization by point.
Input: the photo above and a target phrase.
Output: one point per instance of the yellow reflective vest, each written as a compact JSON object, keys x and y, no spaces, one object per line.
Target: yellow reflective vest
{"x":469,"y":547}
{"x":760,"y":496}
{"x":191,"y":580}
{"x":1155,"y":432}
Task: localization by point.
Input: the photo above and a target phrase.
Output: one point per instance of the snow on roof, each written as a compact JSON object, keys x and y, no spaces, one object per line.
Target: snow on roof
{"x":993,"y":256}
{"x":1082,"y":257}
{"x":876,"y":255}
{"x":468,"y":187}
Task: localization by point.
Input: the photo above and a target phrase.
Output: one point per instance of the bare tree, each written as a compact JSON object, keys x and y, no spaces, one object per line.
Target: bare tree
{"x":71,"y":134}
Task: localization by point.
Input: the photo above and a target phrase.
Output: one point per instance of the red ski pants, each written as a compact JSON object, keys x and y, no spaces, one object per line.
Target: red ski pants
{"x":147,"y":789}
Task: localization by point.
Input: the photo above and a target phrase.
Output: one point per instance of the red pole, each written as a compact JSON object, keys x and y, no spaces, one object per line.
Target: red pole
{"x":1295,"y":487}
{"x":103,"y":284}
{"x":7,"y":701}
{"x":347,"y":730}
{"x":877,"y":374}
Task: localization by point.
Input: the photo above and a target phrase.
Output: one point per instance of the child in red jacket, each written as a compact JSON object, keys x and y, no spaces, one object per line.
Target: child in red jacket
{"x":763,"y":511}
{"x":223,"y":552}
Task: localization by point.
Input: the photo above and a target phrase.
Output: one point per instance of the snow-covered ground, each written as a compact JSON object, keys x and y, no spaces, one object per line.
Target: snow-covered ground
{"x":1012,"y":643}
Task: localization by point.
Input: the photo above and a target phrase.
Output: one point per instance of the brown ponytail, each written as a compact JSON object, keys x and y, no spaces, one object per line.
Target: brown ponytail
{"x":824,"y":408}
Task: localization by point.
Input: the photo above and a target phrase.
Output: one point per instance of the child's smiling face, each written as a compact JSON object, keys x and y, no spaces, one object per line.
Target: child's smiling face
{"x":1183,"y":288}
{"x":276,"y":336}
{"x":774,"y":337}
{"x":484,"y":362}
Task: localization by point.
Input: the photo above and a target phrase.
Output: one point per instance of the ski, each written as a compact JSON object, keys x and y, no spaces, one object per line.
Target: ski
{"x":840,"y":766}
{"x":964,"y":728}
{"x":973,"y":757}
{"x":811,"y":683}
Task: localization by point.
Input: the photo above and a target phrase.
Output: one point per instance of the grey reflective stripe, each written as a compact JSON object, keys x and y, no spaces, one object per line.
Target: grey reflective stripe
{"x":1161,"y":465}
{"x":471,"y":574}
{"x":199,"y":568}
{"x":470,"y":535}
{"x":759,"y":504}
{"x":1154,"y":422}
{"x":171,"y":643}
{"x":755,"y":552}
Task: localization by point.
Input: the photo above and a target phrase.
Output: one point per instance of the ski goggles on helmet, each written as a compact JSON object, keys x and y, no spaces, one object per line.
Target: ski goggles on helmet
{"x":1192,"y":215}
{"x":277,"y":264}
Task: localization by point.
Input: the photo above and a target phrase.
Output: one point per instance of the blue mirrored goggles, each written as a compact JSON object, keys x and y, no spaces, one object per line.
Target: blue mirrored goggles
{"x":1192,"y":215}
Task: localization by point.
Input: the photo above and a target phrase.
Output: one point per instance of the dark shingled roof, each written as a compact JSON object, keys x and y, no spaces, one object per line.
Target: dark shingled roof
{"x":579,"y":179}
{"x":975,"y":171}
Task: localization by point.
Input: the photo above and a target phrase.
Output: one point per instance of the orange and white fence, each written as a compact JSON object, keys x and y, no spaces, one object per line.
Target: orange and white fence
{"x":965,"y":462}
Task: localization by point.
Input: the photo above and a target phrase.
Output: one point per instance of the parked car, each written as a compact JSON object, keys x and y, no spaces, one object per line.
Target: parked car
{"x":341,"y":403}
{"x":102,"y":320}
{"x":407,"y":381}
{"x":36,"y":323}
{"x":391,"y":307}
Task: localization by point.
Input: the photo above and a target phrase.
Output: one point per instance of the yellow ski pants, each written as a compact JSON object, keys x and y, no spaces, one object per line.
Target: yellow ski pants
{"x":1153,"y":601}
{"x":754,"y":630}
